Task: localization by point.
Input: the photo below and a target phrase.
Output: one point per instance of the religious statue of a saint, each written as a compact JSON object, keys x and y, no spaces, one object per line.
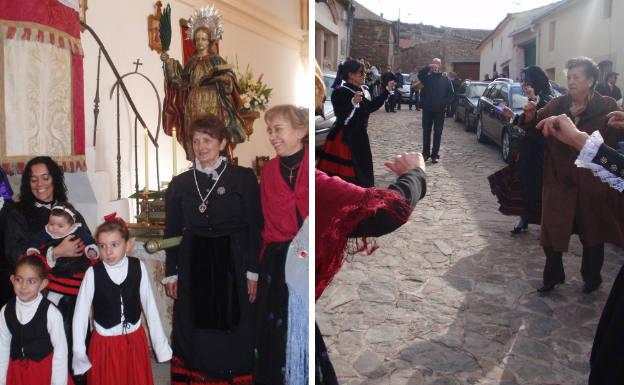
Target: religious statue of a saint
{"x":206,"y":85}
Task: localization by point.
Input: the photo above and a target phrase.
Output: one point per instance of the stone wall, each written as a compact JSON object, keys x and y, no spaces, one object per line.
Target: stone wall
{"x":371,"y":39}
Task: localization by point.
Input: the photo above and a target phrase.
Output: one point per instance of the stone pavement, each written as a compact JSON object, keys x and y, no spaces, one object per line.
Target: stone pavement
{"x":450,"y":298}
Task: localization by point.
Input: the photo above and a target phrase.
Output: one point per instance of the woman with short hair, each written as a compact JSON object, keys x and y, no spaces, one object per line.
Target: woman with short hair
{"x":212,"y":274}
{"x":573,"y":201}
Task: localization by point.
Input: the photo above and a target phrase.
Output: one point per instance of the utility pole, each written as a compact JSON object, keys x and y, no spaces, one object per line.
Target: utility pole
{"x":350,"y":16}
{"x":397,"y":47}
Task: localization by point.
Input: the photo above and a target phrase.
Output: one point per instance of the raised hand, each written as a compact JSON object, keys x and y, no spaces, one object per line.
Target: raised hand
{"x":357,"y":98}
{"x":405,"y":162}
{"x":562,"y":128}
{"x":615,"y":119}
{"x":530,"y":110}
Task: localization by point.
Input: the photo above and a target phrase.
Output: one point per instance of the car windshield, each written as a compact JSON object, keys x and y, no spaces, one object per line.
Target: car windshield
{"x":476,"y":90}
{"x":518,"y":98}
{"x":328,"y":80}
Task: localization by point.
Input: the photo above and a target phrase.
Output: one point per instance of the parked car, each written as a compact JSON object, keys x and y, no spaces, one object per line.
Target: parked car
{"x":404,"y":91}
{"x":491,"y":124}
{"x":322,"y":125}
{"x":467,"y":100}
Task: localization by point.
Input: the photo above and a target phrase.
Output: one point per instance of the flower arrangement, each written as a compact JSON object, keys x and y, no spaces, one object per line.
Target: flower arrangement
{"x":254,"y":94}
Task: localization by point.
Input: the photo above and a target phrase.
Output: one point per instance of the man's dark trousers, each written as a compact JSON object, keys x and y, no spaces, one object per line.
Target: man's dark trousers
{"x":414,"y":99}
{"x":435,"y":119}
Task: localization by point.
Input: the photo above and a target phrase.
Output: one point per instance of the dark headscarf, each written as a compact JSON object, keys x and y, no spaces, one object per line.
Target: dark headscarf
{"x":537,"y":79}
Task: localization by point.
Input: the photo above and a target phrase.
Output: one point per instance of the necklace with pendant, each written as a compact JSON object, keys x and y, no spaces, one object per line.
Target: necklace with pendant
{"x":290,"y":169}
{"x":203,"y":206}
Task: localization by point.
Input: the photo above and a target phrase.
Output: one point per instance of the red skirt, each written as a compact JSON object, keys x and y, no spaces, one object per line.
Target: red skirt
{"x":335,"y":158}
{"x":120,"y":360}
{"x":28,"y":372}
{"x":180,"y":375}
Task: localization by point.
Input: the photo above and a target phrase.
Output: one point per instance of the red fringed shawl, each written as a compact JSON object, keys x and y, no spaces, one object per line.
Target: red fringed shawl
{"x":340,"y":207}
{"x":280,"y":203}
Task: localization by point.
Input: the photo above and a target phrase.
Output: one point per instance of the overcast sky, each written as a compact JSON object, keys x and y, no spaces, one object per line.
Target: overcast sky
{"x":477,"y":14}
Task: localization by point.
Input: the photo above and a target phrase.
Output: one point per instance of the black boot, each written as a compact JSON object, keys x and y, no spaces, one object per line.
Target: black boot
{"x":553,"y":270}
{"x":591,"y":264}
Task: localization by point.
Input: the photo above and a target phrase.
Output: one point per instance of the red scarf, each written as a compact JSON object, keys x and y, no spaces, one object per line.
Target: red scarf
{"x":280,"y":204}
{"x":340,"y":207}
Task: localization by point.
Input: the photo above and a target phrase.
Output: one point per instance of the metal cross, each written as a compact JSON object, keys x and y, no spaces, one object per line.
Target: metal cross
{"x":137,"y":63}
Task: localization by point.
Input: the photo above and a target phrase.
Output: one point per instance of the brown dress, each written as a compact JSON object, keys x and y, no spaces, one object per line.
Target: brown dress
{"x":573,"y":200}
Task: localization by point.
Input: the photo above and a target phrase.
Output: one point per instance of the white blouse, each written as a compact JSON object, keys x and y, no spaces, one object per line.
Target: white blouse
{"x":117,"y":274}
{"x":25,"y":313}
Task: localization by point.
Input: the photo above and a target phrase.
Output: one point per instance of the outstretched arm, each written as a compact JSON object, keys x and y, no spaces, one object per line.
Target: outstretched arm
{"x":603,"y":161}
{"x":411,"y":185}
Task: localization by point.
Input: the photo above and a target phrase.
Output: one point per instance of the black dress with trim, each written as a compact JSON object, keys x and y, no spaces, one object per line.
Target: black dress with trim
{"x":213,"y":323}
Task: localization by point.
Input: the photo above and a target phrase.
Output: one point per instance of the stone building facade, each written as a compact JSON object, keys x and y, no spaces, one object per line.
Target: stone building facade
{"x":414,"y":45}
{"x":375,"y":41}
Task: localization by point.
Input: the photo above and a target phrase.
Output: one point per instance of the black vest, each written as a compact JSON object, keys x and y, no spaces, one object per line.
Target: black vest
{"x":108,"y":295}
{"x":32,"y":340}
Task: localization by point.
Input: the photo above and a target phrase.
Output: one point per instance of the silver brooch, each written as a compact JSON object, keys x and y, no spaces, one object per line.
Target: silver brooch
{"x":613,"y":168}
{"x":221,"y":190}
{"x":603,"y":160}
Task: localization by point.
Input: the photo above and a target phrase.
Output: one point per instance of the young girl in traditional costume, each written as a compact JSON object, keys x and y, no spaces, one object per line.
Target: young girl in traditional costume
{"x":33,"y":349}
{"x":118,"y":289}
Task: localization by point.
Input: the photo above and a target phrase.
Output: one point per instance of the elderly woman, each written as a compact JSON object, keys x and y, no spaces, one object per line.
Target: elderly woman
{"x":572,"y":201}
{"x":607,"y":165}
{"x":42,"y":187}
{"x":212,"y":275}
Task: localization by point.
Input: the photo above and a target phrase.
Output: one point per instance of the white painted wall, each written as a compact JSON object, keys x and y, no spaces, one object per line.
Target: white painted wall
{"x":582,"y":30}
{"x":497,"y":49}
{"x":264,"y":34}
{"x":324,"y":19}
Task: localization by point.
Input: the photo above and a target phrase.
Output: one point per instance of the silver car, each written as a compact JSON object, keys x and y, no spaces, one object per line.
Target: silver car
{"x":322,"y":125}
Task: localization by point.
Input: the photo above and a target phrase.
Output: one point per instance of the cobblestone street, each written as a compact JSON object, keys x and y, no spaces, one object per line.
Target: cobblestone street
{"x":450,"y":298}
